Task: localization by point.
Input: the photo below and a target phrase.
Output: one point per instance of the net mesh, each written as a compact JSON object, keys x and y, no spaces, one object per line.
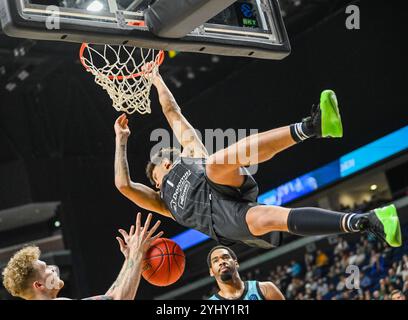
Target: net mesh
{"x":121,"y":71}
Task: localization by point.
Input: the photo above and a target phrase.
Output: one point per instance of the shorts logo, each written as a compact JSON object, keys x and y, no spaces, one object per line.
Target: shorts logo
{"x":253,"y":297}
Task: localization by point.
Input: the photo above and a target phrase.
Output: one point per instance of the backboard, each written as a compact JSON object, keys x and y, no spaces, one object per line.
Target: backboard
{"x":248,"y":28}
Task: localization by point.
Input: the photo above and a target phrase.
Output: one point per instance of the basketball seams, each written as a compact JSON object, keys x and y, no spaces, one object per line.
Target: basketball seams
{"x":155,"y":270}
{"x":169,"y":260}
{"x":159,"y":266}
{"x":174,"y":247}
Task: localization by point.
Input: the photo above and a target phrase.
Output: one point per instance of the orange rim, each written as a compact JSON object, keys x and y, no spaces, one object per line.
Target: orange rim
{"x":137,"y":23}
{"x":158,"y":61}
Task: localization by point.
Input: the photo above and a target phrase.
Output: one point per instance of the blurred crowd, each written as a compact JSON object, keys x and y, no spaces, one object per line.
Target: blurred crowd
{"x":362,"y":269}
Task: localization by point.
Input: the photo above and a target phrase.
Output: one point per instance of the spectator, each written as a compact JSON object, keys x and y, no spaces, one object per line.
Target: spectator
{"x":352,"y":258}
{"x":360,"y":295}
{"x":308,"y":290}
{"x":367,"y":295}
{"x":341,"y":285}
{"x":402,"y":268}
{"x":342,"y":246}
{"x":383,"y":290}
{"x":405,"y":288}
{"x":309,"y":273}
{"x":321,"y":259}
{"x":322,"y":287}
{"x":376,"y":263}
{"x":332,"y":290}
{"x":309,"y":259}
{"x":361,"y":256}
{"x":365,"y":280}
{"x":332,"y":272}
{"x":296,"y":269}
{"x":376,"y":295}
{"x":397,"y":295}
{"x":367,"y":245}
{"x":317,"y":272}
{"x":300,"y":296}
{"x":257,"y":272}
{"x":291,"y":290}
{"x":313,"y":285}
{"x":344,"y":262}
{"x":279,"y":270}
{"x":392,"y":276}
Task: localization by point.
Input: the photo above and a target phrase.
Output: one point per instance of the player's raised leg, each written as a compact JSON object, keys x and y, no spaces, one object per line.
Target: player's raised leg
{"x":383,"y":222}
{"x":223,"y":167}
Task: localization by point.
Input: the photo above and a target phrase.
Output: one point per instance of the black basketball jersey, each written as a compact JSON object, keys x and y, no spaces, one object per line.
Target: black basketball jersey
{"x":187,"y":195}
{"x":216,"y":210}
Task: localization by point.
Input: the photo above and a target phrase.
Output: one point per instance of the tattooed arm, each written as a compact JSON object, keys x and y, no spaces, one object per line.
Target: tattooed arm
{"x":182,"y":129}
{"x":127,"y":283}
{"x":140,"y":194}
{"x":134,"y":247}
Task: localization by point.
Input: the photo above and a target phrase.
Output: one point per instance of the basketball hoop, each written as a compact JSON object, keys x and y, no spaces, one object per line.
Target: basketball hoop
{"x":124,"y":73}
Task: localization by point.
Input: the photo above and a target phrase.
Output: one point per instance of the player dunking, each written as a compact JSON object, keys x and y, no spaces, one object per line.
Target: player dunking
{"x":215,"y":197}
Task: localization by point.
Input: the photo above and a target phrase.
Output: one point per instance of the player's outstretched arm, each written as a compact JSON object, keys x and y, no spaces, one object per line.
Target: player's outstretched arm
{"x":270,"y":291}
{"x":140,"y":194}
{"x":183,"y":130}
{"x":134,"y":246}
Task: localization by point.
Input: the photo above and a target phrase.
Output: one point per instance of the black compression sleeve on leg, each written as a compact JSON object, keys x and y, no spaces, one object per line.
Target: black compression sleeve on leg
{"x":315,"y":221}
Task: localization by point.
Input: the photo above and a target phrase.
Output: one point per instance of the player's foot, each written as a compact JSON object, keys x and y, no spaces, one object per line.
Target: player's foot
{"x":325,"y":119}
{"x":384,"y":223}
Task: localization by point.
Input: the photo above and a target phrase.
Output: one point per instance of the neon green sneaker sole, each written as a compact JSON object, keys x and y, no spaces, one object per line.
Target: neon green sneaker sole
{"x":330,"y":115}
{"x":389,"y":218}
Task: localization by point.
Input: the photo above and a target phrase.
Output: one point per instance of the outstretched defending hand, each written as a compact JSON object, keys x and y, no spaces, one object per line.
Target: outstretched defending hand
{"x":139,"y":239}
{"x":122,"y":130}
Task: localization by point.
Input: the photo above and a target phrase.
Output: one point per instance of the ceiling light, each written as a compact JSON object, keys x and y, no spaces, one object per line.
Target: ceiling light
{"x":95,"y":6}
{"x":190,"y":74}
{"x":215,"y":59}
{"x":373,"y":187}
{"x":10,"y":86}
{"x":23,"y":75}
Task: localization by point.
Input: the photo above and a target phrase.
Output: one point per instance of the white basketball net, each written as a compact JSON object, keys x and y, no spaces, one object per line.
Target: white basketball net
{"x":119,"y":71}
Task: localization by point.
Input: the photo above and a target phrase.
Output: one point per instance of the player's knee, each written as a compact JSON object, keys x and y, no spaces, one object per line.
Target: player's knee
{"x":257,"y":225}
{"x":262,"y":223}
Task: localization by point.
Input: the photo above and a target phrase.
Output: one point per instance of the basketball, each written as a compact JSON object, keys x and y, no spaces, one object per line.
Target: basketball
{"x":164,"y":263}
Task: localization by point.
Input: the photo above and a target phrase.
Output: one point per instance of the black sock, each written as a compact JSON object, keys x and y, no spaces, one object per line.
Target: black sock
{"x":302,"y":131}
{"x":356,"y":222}
{"x":315,"y":221}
